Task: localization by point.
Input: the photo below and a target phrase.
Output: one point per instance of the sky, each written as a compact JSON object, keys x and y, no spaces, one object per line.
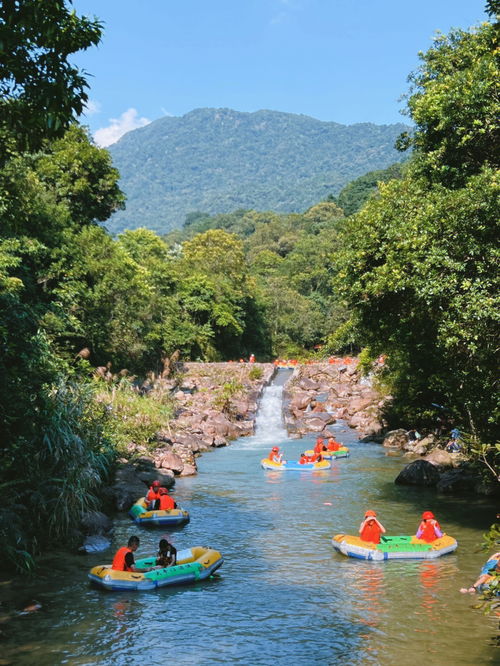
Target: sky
{"x":345,"y":61}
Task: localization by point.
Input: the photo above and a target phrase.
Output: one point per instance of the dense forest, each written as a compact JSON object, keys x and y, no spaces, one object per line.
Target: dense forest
{"x":405,"y":268}
{"x":219,"y":160}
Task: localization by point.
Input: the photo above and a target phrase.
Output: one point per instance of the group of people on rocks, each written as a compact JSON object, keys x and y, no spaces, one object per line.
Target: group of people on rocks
{"x":371,"y":529}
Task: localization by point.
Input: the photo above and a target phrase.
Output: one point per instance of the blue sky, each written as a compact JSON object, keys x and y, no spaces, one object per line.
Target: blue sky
{"x":338,"y":60}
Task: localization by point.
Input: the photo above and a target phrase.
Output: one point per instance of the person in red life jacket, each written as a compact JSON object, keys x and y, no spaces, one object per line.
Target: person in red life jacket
{"x":371,"y":528}
{"x":153,"y":494}
{"x":429,"y":529}
{"x":303,"y":460}
{"x":333,"y":445}
{"x":167,"y":554}
{"x":319,"y":447}
{"x":251,"y":359}
{"x":275,"y":455}
{"x":165,"y":503}
{"x":124,"y":557}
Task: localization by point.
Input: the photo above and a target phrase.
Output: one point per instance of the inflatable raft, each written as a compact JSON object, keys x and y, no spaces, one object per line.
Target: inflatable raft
{"x":294,"y":465}
{"x":142,"y":516}
{"x":193,"y":564}
{"x":393,"y":547}
{"x":343,"y":452}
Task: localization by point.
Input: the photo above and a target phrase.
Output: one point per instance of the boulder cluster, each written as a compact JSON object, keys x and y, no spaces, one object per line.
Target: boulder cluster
{"x":318,"y":394}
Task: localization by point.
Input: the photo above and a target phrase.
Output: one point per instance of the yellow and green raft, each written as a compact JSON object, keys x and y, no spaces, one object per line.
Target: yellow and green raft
{"x":141,"y":515}
{"x":193,"y":564}
{"x":393,"y":547}
{"x":343,"y":452}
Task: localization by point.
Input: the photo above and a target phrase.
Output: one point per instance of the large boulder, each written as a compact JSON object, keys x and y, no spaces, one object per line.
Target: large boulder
{"x":95,"y":544}
{"x":457,"y":481}
{"x":418,"y":473}
{"x":126,"y":489}
{"x":170,"y":460}
{"x":440,"y":458}
{"x":396,"y":439}
{"x":95,"y":523}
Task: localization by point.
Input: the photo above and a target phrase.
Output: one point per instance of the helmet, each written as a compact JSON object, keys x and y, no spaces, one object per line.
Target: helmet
{"x":370,"y":513}
{"x":427,"y":515}
{"x":163,"y":491}
{"x":275,"y":449}
{"x":156,"y":484}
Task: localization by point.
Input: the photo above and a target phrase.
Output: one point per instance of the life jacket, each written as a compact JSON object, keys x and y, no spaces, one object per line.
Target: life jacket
{"x":333,"y":445}
{"x":428,"y":531}
{"x":303,"y":460}
{"x":119,"y":559}
{"x":153,"y":494}
{"x":371,"y":532}
{"x":166,"y":503}
{"x":319,"y":446}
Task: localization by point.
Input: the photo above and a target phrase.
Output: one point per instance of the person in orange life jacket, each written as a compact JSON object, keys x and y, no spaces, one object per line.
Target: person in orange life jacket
{"x":333,"y":445}
{"x":429,"y":529}
{"x":153,"y":494}
{"x":303,"y":459}
{"x":165,"y":503}
{"x":275,"y":455}
{"x":167,"y":554}
{"x":371,"y":528}
{"x":319,"y":447}
{"x":124,"y":557}
{"x":251,"y":359}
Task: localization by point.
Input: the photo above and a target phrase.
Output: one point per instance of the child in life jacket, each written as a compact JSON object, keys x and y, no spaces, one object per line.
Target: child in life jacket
{"x":333,"y":445}
{"x":429,"y":529}
{"x":167,"y":554}
{"x":319,"y":447}
{"x":303,"y":460}
{"x":165,"y":503}
{"x":275,"y":455}
{"x":371,"y":528}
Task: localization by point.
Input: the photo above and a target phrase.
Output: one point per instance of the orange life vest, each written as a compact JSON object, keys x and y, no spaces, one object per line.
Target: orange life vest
{"x":119,"y":559}
{"x":428,"y":532}
{"x":333,"y":445}
{"x":166,"y":503}
{"x":371,"y":532}
{"x":303,"y":460}
{"x":153,"y":494}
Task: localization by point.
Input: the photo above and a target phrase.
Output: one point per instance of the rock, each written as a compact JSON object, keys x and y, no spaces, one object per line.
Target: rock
{"x":127,"y":488}
{"x":164,"y":476}
{"x":457,"y":480}
{"x":95,"y":544}
{"x":308,"y":384}
{"x":418,"y":473}
{"x":95,"y":523}
{"x":396,"y":438}
{"x":189,"y":470}
{"x":170,"y":460}
{"x":439,"y":458}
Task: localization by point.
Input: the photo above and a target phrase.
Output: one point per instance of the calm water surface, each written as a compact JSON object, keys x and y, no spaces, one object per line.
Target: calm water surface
{"x":282,"y":596}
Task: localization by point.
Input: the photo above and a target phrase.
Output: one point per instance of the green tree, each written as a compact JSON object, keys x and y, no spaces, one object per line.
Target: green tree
{"x":40,"y":91}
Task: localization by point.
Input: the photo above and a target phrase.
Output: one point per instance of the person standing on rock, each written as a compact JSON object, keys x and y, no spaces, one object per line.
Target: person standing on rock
{"x":371,"y":529}
{"x":429,"y":529}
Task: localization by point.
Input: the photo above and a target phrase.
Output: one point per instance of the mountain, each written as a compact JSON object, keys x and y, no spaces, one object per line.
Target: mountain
{"x":219,"y":160}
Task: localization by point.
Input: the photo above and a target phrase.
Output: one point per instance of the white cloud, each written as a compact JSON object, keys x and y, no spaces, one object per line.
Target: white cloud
{"x":91,"y":107}
{"x":129,"y":120}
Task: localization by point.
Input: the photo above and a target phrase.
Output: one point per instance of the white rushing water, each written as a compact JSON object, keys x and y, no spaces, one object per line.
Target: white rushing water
{"x":269,"y":427}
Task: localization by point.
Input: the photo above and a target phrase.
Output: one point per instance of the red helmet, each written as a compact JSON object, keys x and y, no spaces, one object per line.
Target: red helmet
{"x":427,"y":515}
{"x":370,"y":513}
{"x":163,"y":491}
{"x":275,"y":448}
{"x":156,"y":484}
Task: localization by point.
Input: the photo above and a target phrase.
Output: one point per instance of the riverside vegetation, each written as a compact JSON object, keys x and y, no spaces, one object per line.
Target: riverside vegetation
{"x":411,"y":275}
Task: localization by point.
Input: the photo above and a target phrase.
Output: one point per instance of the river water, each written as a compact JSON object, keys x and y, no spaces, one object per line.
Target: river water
{"x":282,"y":596}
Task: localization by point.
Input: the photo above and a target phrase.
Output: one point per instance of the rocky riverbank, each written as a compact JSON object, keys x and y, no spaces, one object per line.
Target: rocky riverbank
{"x":317,"y":395}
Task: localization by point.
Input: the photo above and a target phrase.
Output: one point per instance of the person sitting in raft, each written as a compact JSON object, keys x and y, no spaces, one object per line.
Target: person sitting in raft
{"x":275,"y":455}
{"x":333,"y":445}
{"x":429,"y":529}
{"x":491,"y":567}
{"x":371,"y":528}
{"x":124,"y":557}
{"x":165,"y":503}
{"x":153,"y":494}
{"x":303,"y":460}
{"x":319,"y":447}
{"x":167,"y":554}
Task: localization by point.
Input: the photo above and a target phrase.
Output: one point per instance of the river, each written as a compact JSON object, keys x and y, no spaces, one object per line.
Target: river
{"x":282,"y":596}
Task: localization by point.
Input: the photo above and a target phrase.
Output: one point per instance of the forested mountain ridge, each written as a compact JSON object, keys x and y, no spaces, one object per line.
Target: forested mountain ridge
{"x":218,"y":160}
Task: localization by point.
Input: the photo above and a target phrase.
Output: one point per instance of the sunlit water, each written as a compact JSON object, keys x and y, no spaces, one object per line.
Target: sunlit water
{"x":283,"y":596}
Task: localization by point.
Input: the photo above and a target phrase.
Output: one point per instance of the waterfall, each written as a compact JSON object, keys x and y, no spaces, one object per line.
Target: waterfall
{"x":269,"y":426}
